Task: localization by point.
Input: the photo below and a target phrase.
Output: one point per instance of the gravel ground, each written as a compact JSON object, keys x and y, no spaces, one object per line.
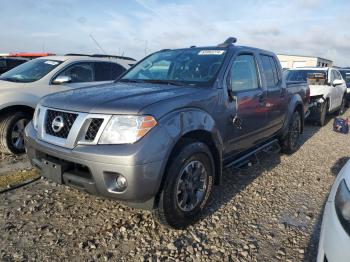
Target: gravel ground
{"x":270,"y":211}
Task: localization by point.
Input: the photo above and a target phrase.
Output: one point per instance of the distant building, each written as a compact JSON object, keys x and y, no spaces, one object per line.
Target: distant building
{"x":295,"y":61}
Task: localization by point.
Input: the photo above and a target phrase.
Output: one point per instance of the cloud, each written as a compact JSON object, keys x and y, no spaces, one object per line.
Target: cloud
{"x":138,"y":27}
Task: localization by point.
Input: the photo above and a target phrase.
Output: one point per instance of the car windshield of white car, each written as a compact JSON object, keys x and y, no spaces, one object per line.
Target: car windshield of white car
{"x":195,"y":66}
{"x":30,"y":71}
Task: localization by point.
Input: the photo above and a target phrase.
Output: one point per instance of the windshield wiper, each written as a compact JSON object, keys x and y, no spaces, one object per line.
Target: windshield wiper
{"x":168,"y":82}
{"x":131,"y":80}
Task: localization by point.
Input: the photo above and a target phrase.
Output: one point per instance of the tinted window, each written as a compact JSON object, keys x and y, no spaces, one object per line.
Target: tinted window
{"x":2,"y":63}
{"x":243,"y":75}
{"x":14,"y":62}
{"x":117,"y":70}
{"x":192,"y":66}
{"x":269,"y":71}
{"x":81,"y":72}
{"x":276,"y":70}
{"x":103,"y":71}
{"x":302,"y":75}
{"x":30,"y":71}
{"x":346,"y":75}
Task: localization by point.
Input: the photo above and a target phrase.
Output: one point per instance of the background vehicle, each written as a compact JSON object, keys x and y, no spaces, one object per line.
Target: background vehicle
{"x":7,"y":63}
{"x":327,"y":90}
{"x":22,"y":87}
{"x":160,"y":137}
{"x":335,"y":232}
{"x":345,"y":72}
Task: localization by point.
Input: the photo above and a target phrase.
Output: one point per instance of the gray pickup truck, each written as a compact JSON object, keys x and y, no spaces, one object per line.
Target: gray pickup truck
{"x":160,"y":137}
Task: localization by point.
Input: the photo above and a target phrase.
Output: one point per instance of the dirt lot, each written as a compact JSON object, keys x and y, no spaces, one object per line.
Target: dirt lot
{"x":270,"y":211}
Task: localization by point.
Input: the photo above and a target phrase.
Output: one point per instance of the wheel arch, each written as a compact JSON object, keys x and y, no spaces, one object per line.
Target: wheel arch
{"x":192,"y":125}
{"x":295,"y":104}
{"x":17,"y":108}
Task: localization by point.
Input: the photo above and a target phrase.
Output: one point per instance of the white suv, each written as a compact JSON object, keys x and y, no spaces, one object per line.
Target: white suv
{"x":22,"y":87}
{"x":327,"y":90}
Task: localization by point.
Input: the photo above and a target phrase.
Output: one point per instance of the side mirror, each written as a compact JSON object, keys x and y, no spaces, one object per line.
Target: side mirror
{"x":62,"y":80}
{"x":337,"y":82}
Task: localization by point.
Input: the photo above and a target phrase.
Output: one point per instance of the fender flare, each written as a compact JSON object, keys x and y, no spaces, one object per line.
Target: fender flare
{"x":182,"y":122}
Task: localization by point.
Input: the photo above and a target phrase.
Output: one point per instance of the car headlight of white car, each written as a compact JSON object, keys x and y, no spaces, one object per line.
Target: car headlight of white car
{"x":342,"y":205}
{"x":126,"y":129}
{"x":36,"y":117}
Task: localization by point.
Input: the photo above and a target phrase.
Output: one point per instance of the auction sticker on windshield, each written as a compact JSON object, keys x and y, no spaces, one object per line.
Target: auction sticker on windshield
{"x":211,"y":52}
{"x":51,"y":62}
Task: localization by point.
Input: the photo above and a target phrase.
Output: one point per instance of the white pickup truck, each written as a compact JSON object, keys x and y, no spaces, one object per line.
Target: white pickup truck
{"x":327,"y":90}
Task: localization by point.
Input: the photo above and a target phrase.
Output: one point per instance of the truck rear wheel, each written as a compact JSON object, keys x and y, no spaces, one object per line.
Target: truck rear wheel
{"x":12,"y":131}
{"x":291,"y":142}
{"x":188,"y":186}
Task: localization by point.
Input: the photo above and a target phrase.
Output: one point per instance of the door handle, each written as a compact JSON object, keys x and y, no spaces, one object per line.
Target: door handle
{"x":262,"y":100}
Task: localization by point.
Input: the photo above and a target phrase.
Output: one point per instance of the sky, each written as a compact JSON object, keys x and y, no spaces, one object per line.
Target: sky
{"x":139,"y":27}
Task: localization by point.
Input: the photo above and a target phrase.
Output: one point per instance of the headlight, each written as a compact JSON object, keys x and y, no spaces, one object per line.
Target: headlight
{"x":126,"y":129}
{"x":36,"y":117}
{"x":342,"y":205}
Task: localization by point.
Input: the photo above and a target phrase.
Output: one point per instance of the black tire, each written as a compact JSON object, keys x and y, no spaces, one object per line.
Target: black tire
{"x":290,"y":143}
{"x":323,"y":114}
{"x":9,"y":128}
{"x":342,"y":108}
{"x":170,"y":211}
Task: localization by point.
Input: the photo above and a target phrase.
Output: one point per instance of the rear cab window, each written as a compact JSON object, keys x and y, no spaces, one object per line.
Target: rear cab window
{"x":270,"y":71}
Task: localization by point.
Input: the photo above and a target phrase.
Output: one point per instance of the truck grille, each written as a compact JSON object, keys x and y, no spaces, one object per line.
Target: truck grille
{"x":93,"y":128}
{"x":68,"y":121}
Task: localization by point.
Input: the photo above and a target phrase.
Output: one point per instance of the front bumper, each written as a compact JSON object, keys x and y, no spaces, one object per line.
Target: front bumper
{"x":334,"y":241}
{"x":93,"y":168}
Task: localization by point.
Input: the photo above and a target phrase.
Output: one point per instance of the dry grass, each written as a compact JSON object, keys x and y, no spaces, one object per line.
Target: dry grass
{"x":14,"y":178}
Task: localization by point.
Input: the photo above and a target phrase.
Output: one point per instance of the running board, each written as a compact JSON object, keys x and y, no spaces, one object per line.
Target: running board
{"x":239,"y":162}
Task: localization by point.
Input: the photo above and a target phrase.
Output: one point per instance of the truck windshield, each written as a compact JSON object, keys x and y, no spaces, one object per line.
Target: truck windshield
{"x":346,"y":75}
{"x":180,"y":67}
{"x":30,"y":71}
{"x":303,"y":75}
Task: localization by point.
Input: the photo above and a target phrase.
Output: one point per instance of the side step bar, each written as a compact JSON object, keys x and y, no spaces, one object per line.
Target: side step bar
{"x":245,"y":159}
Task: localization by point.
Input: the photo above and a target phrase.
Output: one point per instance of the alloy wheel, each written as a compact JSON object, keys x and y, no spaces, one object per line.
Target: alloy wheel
{"x":191,"y":186}
{"x":17,"y":134}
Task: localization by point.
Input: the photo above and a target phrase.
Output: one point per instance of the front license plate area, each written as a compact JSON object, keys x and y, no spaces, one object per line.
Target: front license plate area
{"x":52,"y":170}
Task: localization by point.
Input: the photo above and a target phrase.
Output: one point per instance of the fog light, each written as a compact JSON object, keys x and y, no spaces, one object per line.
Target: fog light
{"x":121,"y":183}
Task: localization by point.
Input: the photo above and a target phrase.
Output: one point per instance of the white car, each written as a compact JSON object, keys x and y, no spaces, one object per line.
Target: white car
{"x":327,"y":90}
{"x":334,"y":245}
{"x":22,"y":87}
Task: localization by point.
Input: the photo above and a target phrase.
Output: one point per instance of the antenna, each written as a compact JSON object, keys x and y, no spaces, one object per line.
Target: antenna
{"x":229,"y":41}
{"x":98,"y":45}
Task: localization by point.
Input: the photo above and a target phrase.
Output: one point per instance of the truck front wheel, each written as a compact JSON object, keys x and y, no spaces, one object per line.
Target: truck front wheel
{"x":188,"y":186}
{"x":291,"y":142}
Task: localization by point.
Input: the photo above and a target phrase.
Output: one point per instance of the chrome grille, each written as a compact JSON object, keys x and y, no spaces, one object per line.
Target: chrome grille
{"x":68,"y":120}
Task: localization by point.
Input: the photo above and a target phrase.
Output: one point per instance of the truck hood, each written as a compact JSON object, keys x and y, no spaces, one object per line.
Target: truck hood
{"x":115,"y":98}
